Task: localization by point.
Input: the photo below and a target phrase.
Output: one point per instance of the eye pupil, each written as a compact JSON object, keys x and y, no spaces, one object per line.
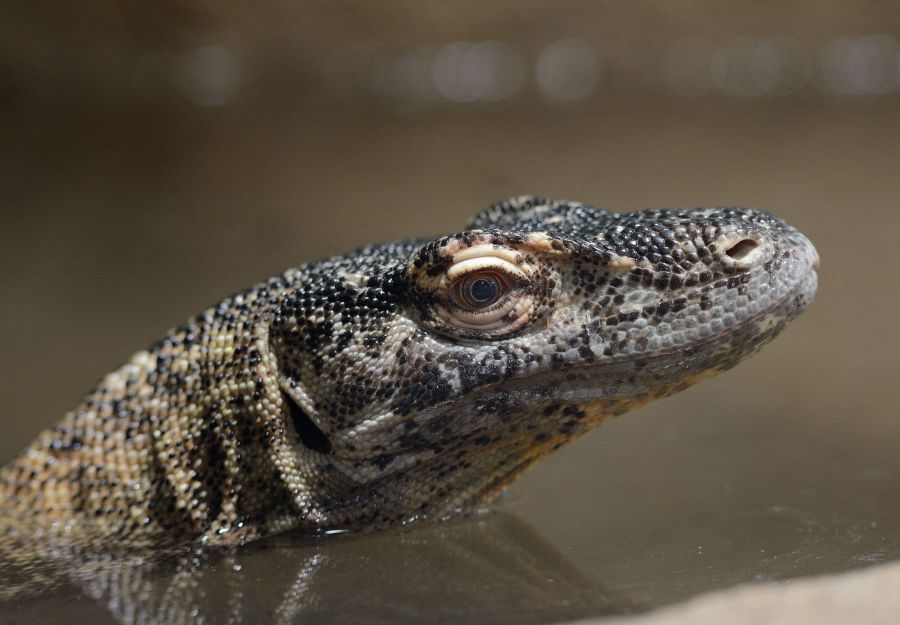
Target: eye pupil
{"x":484,"y":290}
{"x":479,"y":291}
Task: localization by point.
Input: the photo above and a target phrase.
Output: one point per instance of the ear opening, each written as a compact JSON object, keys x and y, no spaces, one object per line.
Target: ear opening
{"x":307,"y":431}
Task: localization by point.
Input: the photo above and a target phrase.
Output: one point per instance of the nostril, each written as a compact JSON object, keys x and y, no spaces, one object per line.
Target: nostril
{"x":741,"y":249}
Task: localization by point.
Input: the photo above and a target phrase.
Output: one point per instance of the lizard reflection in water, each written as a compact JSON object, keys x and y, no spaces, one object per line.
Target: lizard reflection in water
{"x":492,"y":570}
{"x":407,"y":381}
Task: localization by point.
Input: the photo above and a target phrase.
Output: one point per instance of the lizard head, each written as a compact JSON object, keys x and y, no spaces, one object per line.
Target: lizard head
{"x":422,"y":377}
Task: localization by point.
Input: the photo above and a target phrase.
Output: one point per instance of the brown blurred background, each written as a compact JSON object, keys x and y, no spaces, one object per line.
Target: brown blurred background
{"x":157,"y":156}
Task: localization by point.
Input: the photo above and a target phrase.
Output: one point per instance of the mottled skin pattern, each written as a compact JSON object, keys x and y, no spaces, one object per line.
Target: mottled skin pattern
{"x":366,"y":390}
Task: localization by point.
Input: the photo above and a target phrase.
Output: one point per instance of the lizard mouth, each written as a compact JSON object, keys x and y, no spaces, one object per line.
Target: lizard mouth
{"x":800,"y":283}
{"x":742,"y":339}
{"x":788,"y":307}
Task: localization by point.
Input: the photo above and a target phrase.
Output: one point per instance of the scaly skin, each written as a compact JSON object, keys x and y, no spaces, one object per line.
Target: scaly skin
{"x":376,"y":388}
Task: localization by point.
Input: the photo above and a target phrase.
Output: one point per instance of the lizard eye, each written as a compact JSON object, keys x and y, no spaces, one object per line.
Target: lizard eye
{"x":479,"y":290}
{"x":484,"y":291}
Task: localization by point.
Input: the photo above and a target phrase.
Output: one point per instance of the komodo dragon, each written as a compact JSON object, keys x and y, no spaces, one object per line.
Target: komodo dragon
{"x":412,"y":380}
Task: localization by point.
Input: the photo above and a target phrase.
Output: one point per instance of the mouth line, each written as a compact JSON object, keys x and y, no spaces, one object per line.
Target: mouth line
{"x":793,"y":292}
